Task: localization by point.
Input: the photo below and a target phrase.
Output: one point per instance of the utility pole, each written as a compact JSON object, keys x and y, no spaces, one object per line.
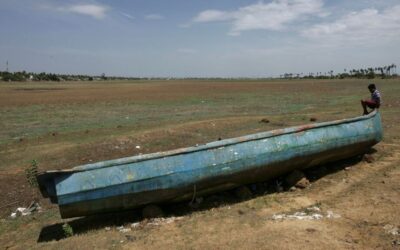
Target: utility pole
{"x":7,"y":66}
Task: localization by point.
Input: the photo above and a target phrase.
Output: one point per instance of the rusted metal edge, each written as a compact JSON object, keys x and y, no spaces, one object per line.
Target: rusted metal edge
{"x":210,"y":145}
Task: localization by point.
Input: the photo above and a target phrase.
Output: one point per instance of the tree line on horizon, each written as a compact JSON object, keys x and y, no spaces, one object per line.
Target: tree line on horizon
{"x":22,"y":76}
{"x":369,"y":73}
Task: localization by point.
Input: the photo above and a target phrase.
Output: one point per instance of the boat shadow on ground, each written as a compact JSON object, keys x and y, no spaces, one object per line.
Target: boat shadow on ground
{"x":95,"y":222}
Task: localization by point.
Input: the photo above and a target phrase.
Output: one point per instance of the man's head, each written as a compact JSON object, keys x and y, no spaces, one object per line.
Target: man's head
{"x":371,"y":87}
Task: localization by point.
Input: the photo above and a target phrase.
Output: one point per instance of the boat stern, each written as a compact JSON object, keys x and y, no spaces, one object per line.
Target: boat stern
{"x":47,"y":186}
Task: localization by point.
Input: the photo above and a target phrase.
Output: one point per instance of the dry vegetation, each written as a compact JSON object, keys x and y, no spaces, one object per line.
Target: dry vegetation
{"x":61,"y":125}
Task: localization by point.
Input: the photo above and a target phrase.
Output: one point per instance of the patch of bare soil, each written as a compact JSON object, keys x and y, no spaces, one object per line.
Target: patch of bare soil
{"x":16,"y":192}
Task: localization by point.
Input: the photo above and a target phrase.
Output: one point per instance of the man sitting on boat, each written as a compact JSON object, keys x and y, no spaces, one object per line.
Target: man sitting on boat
{"x":375,"y":101}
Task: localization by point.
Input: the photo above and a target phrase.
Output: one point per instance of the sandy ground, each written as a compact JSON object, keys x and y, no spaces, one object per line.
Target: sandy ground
{"x":364,"y":197}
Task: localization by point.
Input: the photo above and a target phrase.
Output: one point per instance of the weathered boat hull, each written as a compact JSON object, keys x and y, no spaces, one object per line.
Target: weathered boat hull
{"x":176,"y":175}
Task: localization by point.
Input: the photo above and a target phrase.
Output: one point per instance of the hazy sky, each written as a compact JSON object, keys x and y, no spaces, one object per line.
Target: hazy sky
{"x":227,"y":38}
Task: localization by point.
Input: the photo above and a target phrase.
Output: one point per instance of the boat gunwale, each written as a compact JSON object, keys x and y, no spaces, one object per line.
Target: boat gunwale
{"x":210,"y":145}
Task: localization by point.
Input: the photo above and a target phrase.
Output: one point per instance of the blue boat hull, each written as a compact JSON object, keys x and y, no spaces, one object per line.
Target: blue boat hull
{"x":176,"y":175}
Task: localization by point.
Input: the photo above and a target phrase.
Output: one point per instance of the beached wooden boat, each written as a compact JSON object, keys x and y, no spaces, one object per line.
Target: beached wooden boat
{"x":132,"y":182}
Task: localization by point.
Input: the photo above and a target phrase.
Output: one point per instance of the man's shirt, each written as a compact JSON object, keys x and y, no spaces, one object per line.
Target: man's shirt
{"x":376,"y":96}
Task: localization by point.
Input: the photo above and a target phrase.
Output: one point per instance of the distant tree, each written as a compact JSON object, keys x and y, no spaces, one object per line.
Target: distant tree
{"x":53,"y":77}
{"x":391,"y":67}
{"x":6,"y":76}
{"x":371,"y":73}
{"x":381,"y":69}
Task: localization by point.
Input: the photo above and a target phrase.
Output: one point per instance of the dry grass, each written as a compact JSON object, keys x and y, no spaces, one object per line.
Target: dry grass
{"x":67,"y":124}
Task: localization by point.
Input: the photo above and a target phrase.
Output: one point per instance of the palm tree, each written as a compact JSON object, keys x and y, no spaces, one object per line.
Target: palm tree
{"x":387,"y":70}
{"x":393,"y":66}
{"x":381,"y":70}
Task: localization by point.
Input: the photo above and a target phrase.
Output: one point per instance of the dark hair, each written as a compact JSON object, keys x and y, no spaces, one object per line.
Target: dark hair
{"x":372,"y":86}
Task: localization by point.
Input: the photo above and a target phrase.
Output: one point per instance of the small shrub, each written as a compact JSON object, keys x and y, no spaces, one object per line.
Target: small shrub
{"x":67,"y":229}
{"x":31,"y":173}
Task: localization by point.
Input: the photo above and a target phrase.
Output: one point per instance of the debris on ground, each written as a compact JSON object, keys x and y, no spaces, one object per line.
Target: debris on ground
{"x":313,"y":209}
{"x":368,"y":158}
{"x":264,"y":120}
{"x":302,"y":183}
{"x":390,"y":229}
{"x":332,"y":215}
{"x":22,"y":211}
{"x":122,"y":229}
{"x":19,"y":212}
{"x":297,"y":179}
{"x":298,"y":216}
{"x":311,"y":213}
{"x":160,"y":221}
{"x":313,"y":119}
{"x":155,"y":222}
{"x":135,"y":225}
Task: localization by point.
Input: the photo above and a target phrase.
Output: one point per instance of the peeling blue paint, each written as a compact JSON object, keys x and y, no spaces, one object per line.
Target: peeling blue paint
{"x":89,"y":188}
